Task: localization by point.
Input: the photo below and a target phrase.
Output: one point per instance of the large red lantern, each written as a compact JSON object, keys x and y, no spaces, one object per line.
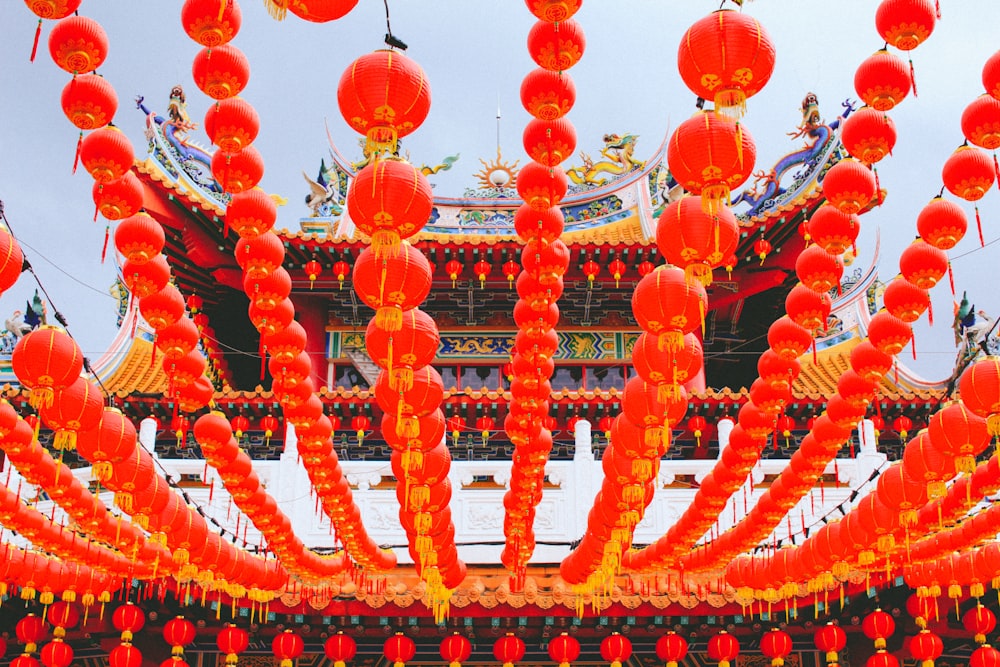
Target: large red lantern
{"x":694,"y":240}
{"x":162,"y":309}
{"x":984,"y":656}
{"x":399,"y":649}
{"x":878,"y":626}
{"x":178,"y":632}
{"x":139,"y":238}
{"x":833,"y":230}
{"x":922,"y":264}
{"x":710,"y":155}
{"x":869,"y":135}
{"x":980,"y":389}
{"x":320,"y":11}
{"x":89,"y":102}
{"x":125,"y":655}
{"x":30,"y":630}
{"x":259,"y":255}
{"x":385,"y":96}
{"x":547,"y":95}
{"x":723,"y":647}
{"x":616,"y":649}
{"x":981,"y":122}
{"x":508,"y":650}
{"x":128,"y":619}
{"x":221,"y":72}
{"x":564,"y":649}
{"x":788,"y":339}
{"x":882,"y":659}
{"x":926,"y":647}
{"x":549,"y":142}
{"x":882,"y":80}
{"x":75,"y":408}
{"x":819,"y":270}
{"x":391,"y":285}
{"x":120,"y":198}
{"x":455,"y":649}
{"x":413,"y":346}
{"x":232,"y":124}
{"x":232,"y":641}
{"x":991,"y":75}
{"x":54,"y":9}
{"x":727,"y":57}
{"x":667,"y":305}
{"x":671,"y":648}
{"x":78,"y":44}
{"x":905,"y":24}
{"x":210,"y":24}
{"x":340,"y":648}
{"x":553,"y":11}
{"x":57,"y":653}
{"x":46,"y":360}
{"x":11,"y":260}
{"x":556,"y":46}
{"x":942,"y":223}
{"x":968,"y":173}
{"x":850,"y":186}
{"x":776,"y":645}
{"x":980,"y":621}
{"x":389,"y":200}
{"x":106,"y":154}
{"x":542,"y":187}
{"x":251,"y":213}
{"x":238,"y":172}
{"x":869,"y":362}
{"x":808,"y":308}
{"x":545,"y":225}
{"x":889,"y":333}
{"x":287,"y":646}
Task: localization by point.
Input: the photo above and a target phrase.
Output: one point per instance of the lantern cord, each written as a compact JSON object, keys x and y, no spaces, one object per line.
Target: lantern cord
{"x":391,"y":40}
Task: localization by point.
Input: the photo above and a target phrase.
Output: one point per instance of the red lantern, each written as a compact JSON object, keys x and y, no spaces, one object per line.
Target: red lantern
{"x":75,"y":408}
{"x":119,"y":199}
{"x":671,"y":648}
{"x":30,"y":630}
{"x":341,"y":269}
{"x":287,"y":646}
{"x":808,"y":308}
{"x":399,"y":649}
{"x":882,"y":659}
{"x":544,"y":225}
{"x":553,"y":11}
{"x":482,"y":269}
{"x":232,"y":641}
{"x":922,"y":264}
{"x":162,"y":309}
{"x":926,"y":647}
{"x":549,"y":142}
{"x":508,"y":649}
{"x":889,"y":333}
{"x":850,"y":186}
{"x":882,"y":80}
{"x":106,"y":154}
{"x":510,"y":270}
{"x":78,"y":44}
{"x":833,"y":230}
{"x":128,"y":619}
{"x":251,"y":213}
{"x":455,"y":649}
{"x":981,"y":122}
{"x":617,"y":269}
{"x":819,"y":270}
{"x":979,"y":621}
{"x":46,"y":360}
{"x":878,"y":626}
{"x":11,"y":260}
{"x":547,"y":95}
{"x":980,"y":389}
{"x":869,"y":135}
{"x":723,"y":647}
{"x":968,"y":173}
{"x":869,"y":362}
{"x":942,"y":223}
{"x":564,"y":649}
{"x":556,"y":46}
{"x":232,"y":124}
{"x":991,"y":75}
{"x":139,"y":238}
{"x":125,"y":655}
{"x":385,"y":96}
{"x":221,"y":72}
{"x":591,"y":269}
{"x":776,"y":371}
{"x":360,"y":424}
{"x":616,"y":649}
{"x":340,"y":648}
{"x":776,"y":645}
{"x":57,"y":653}
{"x":788,"y":339}
{"x":667,"y":305}
{"x":89,"y":102}
{"x":695,"y":241}
{"x":984,"y":656}
{"x":54,"y":9}
{"x":710,"y":155}
{"x":389,"y":200}
{"x":902,"y":425}
{"x":178,"y":632}
{"x":905,"y":24}
{"x":238,"y":172}
{"x":321,"y":11}
{"x":542,"y":187}
{"x":727,"y":57}
{"x":454,"y":268}
{"x":209,"y":24}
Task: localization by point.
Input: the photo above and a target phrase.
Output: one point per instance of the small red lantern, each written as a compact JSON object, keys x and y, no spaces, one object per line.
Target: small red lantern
{"x":905,"y":24}
{"x":902,"y":425}
{"x":869,"y":135}
{"x":106,"y":154}
{"x":850,"y":186}
{"x":269,"y":424}
{"x":232,"y":641}
{"x":55,"y":9}
{"x":556,"y":46}
{"x":980,"y":621}
{"x":762,"y":248}
{"x":454,"y":268}
{"x":878,"y":626}
{"x":981,"y":122}
{"x":340,"y":648}
{"x":727,"y":57}
{"x":320,"y":11}
{"x":969,"y":173}
{"x":882,"y":80}
{"x":553,"y":11}
{"x":30,"y":630}
{"x":455,"y":649}
{"x":617,"y":269}
{"x":926,"y":647}
{"x":564,"y":649}
{"x":942,"y":223}
{"x":341,"y":269}
{"x":547,"y":95}
{"x":991,"y":75}
{"x":287,"y":646}
{"x":238,"y":172}
{"x":541,"y":187}
{"x":360,"y":424}
{"x":232,"y":124}
{"x":723,"y":647}
{"x":591,"y":269}
{"x":776,"y":645}
{"x":251,"y":213}
{"x":510,"y":270}
{"x":616,"y":649}
{"x":125,"y":655}
{"x":128,"y":619}
{"x":209,"y":24}
{"x":313,"y":269}
{"x":89,"y":102}
{"x":645,"y":268}
{"x":922,"y":264}
{"x":221,"y":72}
{"x":549,"y":142}
{"x":178,"y":632}
{"x":482,"y":270}
{"x":508,"y":650}
{"x":710,"y":155}
{"x":57,"y":653}
{"x":399,"y":649}
{"x":671,"y":648}
{"x":385,"y":96}
{"x":697,"y":424}
{"x":984,"y":656}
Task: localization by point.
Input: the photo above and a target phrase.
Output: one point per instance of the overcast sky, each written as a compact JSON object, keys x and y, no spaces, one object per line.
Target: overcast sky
{"x":474,"y":53}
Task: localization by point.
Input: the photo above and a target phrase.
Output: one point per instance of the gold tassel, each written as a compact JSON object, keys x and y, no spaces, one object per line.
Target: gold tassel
{"x":278,"y":10}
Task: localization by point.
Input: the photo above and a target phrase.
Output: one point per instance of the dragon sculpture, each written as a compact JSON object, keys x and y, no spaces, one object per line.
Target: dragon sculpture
{"x":619,"y":153}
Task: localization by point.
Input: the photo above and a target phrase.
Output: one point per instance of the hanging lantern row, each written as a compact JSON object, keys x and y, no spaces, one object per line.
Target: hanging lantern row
{"x":390,"y":201}
{"x":556,"y":43}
